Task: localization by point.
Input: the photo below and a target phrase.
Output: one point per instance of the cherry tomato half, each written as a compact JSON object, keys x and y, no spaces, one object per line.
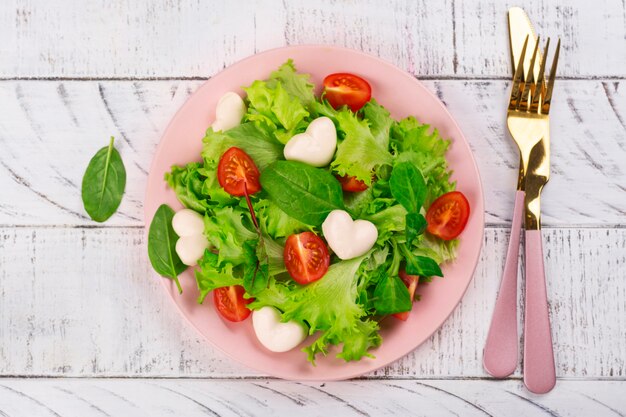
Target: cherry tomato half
{"x":351,"y":184}
{"x":448,"y":215}
{"x":411,"y":282}
{"x":230,"y":303}
{"x":306,"y":257}
{"x":236,"y":171}
{"x":347,"y":89}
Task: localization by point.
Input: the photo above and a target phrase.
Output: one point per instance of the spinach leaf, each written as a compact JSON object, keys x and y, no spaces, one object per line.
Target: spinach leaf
{"x":420,"y":265}
{"x":256,"y":267}
{"x":408,"y":186}
{"x":103,"y":183}
{"x":415,"y":226}
{"x":305,"y":193}
{"x":162,"y":245}
{"x":391,"y":296}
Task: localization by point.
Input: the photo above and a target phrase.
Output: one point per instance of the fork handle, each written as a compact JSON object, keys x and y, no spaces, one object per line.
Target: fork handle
{"x":539,"y":372}
{"x":501,"y":348}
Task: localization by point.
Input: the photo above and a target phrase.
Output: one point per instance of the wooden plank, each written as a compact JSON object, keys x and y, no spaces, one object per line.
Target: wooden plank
{"x":84,"y":302}
{"x":114,"y":397}
{"x":50,"y":130}
{"x":188,"y":39}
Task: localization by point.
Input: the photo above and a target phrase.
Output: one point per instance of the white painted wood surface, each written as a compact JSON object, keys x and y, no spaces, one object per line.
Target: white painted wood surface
{"x":79,"y":304}
{"x":191,"y":398}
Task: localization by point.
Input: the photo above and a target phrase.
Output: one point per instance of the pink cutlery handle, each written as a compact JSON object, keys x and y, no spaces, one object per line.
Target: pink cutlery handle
{"x":539,"y":373}
{"x":500,"y":356}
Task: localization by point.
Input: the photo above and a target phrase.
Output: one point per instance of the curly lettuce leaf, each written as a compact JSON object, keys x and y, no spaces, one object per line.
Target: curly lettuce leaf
{"x":359,"y":154}
{"x":212,"y":274}
{"x":379,"y":120}
{"x":330,"y":305}
{"x":187,"y":183}
{"x":280,"y":103}
{"x":226,"y":231}
{"x":275,"y":222}
{"x":253,"y":139}
{"x":297,"y":85}
{"x":423,"y":147}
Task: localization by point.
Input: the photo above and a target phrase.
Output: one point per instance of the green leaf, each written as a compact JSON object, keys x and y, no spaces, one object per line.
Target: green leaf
{"x":415,"y":226}
{"x":212,"y":275}
{"x":188,"y":183}
{"x":297,"y":85}
{"x":226,"y":231}
{"x":379,"y":120}
{"x":288,"y":110}
{"x":275,"y":222}
{"x":305,"y":193}
{"x":423,"y":147}
{"x":254,"y":140}
{"x":162,"y":245}
{"x":103,"y":183}
{"x":388,"y":222}
{"x":255,"y":278}
{"x":359,"y":154}
{"x":408,"y":186}
{"x":420,"y":265}
{"x":391,"y":296}
{"x":256,"y":272}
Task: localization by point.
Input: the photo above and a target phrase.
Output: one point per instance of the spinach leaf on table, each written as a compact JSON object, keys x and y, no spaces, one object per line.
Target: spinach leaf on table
{"x":305,"y":193}
{"x":162,"y":245}
{"x":103,"y":183}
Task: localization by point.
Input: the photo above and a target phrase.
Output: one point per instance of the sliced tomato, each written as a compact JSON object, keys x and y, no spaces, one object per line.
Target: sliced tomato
{"x":236,"y":173}
{"x":306,"y":257}
{"x":448,"y":215}
{"x":351,"y":184}
{"x":347,"y":89}
{"x":230,"y":303}
{"x":411,"y":282}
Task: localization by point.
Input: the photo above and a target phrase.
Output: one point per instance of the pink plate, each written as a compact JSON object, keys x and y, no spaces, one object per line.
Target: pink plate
{"x":402,"y":95}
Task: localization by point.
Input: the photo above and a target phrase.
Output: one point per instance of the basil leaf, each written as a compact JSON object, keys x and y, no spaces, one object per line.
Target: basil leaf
{"x":103,"y":183}
{"x":408,"y":186}
{"x":162,"y":245}
{"x":305,"y":193}
{"x":391,"y":296}
{"x":420,"y":265}
{"x":415,"y":226}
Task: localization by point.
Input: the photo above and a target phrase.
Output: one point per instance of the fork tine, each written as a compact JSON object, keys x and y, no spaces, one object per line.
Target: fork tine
{"x":545,"y":106}
{"x":529,"y":81}
{"x":517,"y":79}
{"x":539,"y":88}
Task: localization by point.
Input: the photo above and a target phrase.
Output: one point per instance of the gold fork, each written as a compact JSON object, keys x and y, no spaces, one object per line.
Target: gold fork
{"x":529,"y":124}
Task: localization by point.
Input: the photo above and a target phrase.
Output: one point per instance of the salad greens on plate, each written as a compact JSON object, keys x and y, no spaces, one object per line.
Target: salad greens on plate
{"x":264,"y":217}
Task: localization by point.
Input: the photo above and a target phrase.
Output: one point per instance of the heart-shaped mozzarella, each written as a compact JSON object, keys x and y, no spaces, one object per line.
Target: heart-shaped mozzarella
{"x":191,"y":248}
{"x":274,"y":335}
{"x":229,"y":112}
{"x":346,"y":237}
{"x":316,"y":146}
{"x":187,"y":222}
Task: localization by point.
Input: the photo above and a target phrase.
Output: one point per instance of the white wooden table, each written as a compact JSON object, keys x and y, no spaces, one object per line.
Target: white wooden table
{"x":85,"y":328}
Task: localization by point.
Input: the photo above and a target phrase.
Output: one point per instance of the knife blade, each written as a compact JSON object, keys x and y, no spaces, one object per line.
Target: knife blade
{"x":519,"y":28}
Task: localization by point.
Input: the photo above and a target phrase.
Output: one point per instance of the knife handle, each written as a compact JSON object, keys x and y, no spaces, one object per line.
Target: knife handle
{"x":501,"y":348}
{"x":539,"y":372}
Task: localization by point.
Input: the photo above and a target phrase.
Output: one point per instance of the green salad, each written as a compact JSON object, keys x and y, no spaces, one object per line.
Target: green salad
{"x":264,"y":216}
